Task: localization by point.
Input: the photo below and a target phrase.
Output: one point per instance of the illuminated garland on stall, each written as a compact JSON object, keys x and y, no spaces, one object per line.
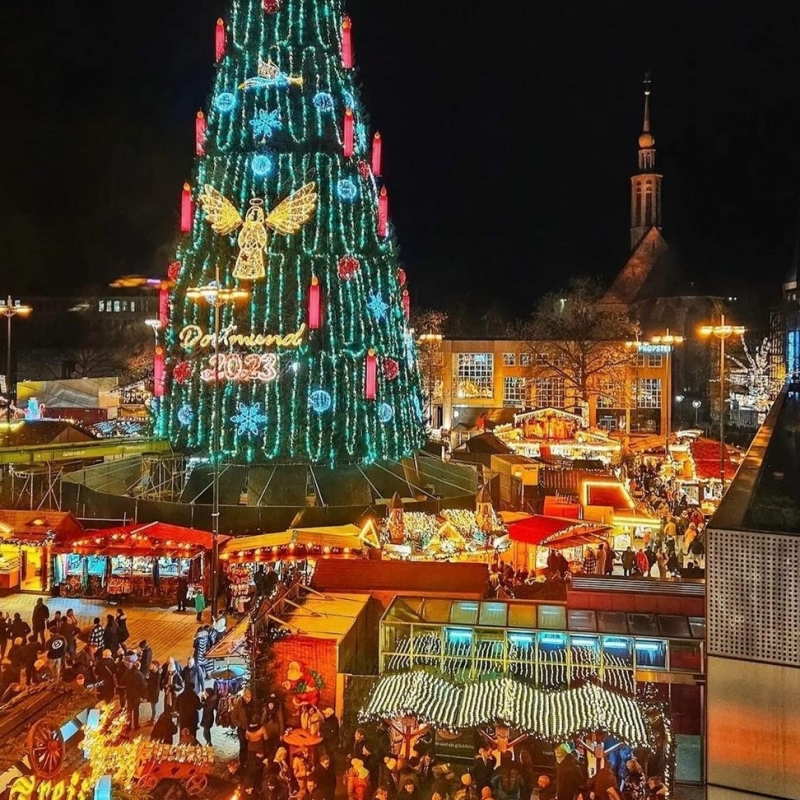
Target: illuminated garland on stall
{"x":556,"y":716}
{"x":321,"y":349}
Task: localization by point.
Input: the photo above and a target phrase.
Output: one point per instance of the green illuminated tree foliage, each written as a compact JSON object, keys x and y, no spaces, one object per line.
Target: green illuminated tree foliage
{"x":287,"y":390}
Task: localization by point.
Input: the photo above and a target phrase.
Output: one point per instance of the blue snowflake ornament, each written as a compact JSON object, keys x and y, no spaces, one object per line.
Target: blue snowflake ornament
{"x":323,"y":101}
{"x":261,"y":165}
{"x":185,"y":415}
{"x":225,"y":102}
{"x":265,"y":123}
{"x":385,"y":413}
{"x":248,"y":419}
{"x":347,"y":190}
{"x":377,"y":307}
{"x":320,"y":401}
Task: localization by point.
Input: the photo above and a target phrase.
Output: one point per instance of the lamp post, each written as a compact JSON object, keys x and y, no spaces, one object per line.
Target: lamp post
{"x":216,"y":296}
{"x":696,"y":406}
{"x":679,"y":398}
{"x":669,"y":341}
{"x":722,"y":332}
{"x":11,"y":308}
{"x":430,"y":340}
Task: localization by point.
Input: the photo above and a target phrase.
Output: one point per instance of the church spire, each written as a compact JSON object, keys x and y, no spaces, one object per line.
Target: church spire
{"x":646,"y":186}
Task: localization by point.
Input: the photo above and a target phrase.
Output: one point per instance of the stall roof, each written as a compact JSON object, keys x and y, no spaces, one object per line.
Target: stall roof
{"x":538,"y":528}
{"x":37,"y":526}
{"x":339,"y":536}
{"x":149,"y":539}
{"x":401,"y":577}
{"x":705,"y":454}
{"x":605,"y":493}
{"x":325,"y":617}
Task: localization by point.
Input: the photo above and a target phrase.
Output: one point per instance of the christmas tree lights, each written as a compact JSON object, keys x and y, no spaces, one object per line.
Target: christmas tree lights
{"x":283,"y":202}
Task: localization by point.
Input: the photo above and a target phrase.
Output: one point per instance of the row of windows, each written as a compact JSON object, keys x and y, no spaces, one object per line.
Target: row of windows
{"x":119,"y":305}
{"x":550,"y":392}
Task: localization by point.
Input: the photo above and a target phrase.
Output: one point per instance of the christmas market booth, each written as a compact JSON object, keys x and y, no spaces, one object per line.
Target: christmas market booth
{"x":293,"y":551}
{"x":139,"y":561}
{"x":606,"y":500}
{"x":26,"y":542}
{"x":534,"y":536}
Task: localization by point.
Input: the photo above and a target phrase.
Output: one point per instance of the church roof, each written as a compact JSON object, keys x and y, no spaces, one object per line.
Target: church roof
{"x":629,"y":283}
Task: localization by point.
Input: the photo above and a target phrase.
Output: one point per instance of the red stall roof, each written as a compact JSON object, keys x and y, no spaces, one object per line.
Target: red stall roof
{"x":705,"y":454}
{"x":538,"y":528}
{"x":148,"y":539}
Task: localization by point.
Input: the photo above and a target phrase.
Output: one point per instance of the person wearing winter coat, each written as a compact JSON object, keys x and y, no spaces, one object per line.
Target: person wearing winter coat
{"x":188,"y":706}
{"x":41,"y":613}
{"x":199,"y":603}
{"x":208,"y":714}
{"x":165,"y":729}
{"x":19,"y":629}
{"x":193,"y":676}
{"x":145,"y":657}
{"x":329,"y":730}
{"x":106,"y":676}
{"x":171,"y":683}
{"x":153,"y":688}
{"x":122,"y":624}
{"x":325,"y":777}
{"x":111,"y":634}
{"x":135,"y":691}
{"x":97,"y":634}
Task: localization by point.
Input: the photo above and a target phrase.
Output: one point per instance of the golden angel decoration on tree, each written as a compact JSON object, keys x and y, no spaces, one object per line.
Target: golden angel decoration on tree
{"x":287,"y":217}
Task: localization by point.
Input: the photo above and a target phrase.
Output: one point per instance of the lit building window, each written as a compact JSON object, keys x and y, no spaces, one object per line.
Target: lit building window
{"x":654,"y":360}
{"x":514,"y":392}
{"x":116,"y":305}
{"x":101,"y":306}
{"x":610,"y":395}
{"x":649,"y":394}
{"x":474,"y":374}
{"x":525,"y":359}
{"x":509,"y":359}
{"x":133,"y":305}
{"x":549,"y":392}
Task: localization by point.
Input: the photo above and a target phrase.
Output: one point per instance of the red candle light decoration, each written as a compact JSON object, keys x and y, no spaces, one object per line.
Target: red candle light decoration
{"x":376,"y":154}
{"x":314,"y":303}
{"x":187,"y":212}
{"x":347,"y":44}
{"x":219,"y":38}
{"x":371,"y":376}
{"x":406,"y":301}
{"x":163,"y":306}
{"x":383,"y":213}
{"x":199,"y":133}
{"x":348,"y":133}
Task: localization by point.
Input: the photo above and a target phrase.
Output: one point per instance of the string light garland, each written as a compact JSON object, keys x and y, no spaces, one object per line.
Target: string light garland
{"x":265,"y":138}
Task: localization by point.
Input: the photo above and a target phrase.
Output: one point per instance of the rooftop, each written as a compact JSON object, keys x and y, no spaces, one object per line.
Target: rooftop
{"x":765,"y":494}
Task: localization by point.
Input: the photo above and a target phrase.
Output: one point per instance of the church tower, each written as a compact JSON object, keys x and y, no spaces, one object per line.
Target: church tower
{"x":646,"y":184}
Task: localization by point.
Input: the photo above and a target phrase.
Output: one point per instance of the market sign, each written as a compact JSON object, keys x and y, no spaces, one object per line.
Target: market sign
{"x":664,"y":349}
{"x":193,"y":336}
{"x":29,"y":787}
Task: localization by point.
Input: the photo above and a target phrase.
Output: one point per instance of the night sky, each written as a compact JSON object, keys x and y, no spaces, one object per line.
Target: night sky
{"x":509,"y":138}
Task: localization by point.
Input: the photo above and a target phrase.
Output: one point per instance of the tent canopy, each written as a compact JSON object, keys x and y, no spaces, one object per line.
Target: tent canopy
{"x":154,"y":539}
{"x":333,"y":536}
{"x":539,"y":529}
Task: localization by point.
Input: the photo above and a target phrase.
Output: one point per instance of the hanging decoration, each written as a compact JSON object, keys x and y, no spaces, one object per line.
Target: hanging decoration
{"x":323,"y":101}
{"x":346,"y":190}
{"x":187,"y":210}
{"x":271,"y":6}
{"x":219,"y":39}
{"x":371,"y":376}
{"x":185,"y":414}
{"x":270,"y":75}
{"x":401,"y":276}
{"x":287,"y":217}
{"x":348,"y":267}
{"x":406,"y":303}
{"x":174,"y":270}
{"x":348,"y":133}
{"x":408,"y":344}
{"x":383,"y":213}
{"x":377,"y":307}
{"x":248,"y":419}
{"x":385,"y":413}
{"x":247,"y":368}
{"x":347,"y":43}
{"x":182,"y":371}
{"x":158,"y":371}
{"x":314,"y":302}
{"x":376,"y":154}
{"x":261,"y":165}
{"x":225,"y":102}
{"x":264,"y":124}
{"x":320,"y":401}
{"x":363,"y":169}
{"x":391,"y":369}
{"x":200,"y":133}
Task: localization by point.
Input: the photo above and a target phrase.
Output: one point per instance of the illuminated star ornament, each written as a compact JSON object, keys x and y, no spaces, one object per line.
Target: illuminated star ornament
{"x":270,"y":75}
{"x":377,"y":307}
{"x":248,"y":419}
{"x":265,"y":123}
{"x":287,"y":217}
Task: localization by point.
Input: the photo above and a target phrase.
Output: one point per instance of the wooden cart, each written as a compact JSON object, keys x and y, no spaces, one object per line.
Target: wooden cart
{"x":189,"y":764}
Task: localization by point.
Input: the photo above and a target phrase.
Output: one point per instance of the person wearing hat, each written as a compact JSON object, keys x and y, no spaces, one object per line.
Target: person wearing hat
{"x":387,"y":774}
{"x":467,"y":790}
{"x":358,"y":787}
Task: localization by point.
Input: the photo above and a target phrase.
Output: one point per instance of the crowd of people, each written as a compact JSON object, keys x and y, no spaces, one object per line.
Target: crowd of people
{"x":102,"y":658}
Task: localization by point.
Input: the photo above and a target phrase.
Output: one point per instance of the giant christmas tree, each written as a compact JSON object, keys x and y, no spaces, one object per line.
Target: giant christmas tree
{"x":317,"y":364}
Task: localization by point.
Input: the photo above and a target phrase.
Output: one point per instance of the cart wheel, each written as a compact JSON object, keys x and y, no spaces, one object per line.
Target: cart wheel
{"x":196,"y":784}
{"x":45,"y":748}
{"x":147,"y":783}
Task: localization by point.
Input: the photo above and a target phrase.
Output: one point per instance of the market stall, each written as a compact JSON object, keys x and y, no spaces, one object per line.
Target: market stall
{"x":608,"y":501}
{"x":26,"y":538}
{"x":139,"y":561}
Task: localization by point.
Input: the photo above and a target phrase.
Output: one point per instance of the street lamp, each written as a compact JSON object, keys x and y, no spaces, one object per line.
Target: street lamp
{"x":11,"y":308}
{"x":722,"y":332}
{"x":679,"y":398}
{"x":430,"y":340}
{"x":696,"y":406}
{"x":216,"y":296}
{"x":669,"y":341}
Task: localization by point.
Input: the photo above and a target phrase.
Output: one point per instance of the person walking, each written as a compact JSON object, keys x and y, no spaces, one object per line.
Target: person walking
{"x":41,"y":613}
{"x":111,"y":638}
{"x":208,"y":714}
{"x":244,"y":709}
{"x":153,"y":688}
{"x":122,"y":624}
{"x":199,"y":603}
{"x":183,"y":592}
